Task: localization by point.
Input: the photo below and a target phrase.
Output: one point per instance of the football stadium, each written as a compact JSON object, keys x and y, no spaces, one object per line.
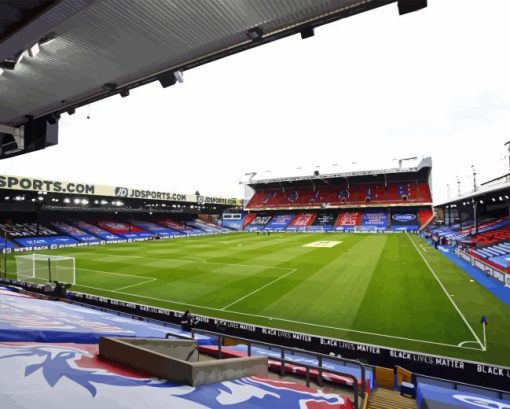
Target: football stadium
{"x":345,"y":289}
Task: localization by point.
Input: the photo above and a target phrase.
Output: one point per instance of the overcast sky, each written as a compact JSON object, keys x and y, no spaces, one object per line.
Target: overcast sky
{"x":364,"y":90}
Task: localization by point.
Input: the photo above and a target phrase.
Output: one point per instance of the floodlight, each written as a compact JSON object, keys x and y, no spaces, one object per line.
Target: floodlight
{"x":34,"y":50}
{"x":255,"y":33}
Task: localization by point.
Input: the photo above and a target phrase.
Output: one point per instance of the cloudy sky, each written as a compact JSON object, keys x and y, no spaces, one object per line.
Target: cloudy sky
{"x":363,"y":91}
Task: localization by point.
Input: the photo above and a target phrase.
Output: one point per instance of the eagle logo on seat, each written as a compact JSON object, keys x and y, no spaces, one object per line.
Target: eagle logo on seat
{"x":52,"y":370}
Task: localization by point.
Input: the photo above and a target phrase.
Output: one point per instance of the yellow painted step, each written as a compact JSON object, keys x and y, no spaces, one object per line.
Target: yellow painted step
{"x":387,"y":399}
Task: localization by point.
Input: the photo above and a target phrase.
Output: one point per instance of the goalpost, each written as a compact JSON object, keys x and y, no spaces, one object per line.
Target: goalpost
{"x":42,"y":268}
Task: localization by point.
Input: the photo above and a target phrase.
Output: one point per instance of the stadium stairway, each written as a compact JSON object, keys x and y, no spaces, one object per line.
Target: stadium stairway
{"x":387,"y":399}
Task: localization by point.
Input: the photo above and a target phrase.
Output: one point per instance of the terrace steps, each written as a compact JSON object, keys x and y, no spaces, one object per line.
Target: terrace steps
{"x":387,"y":399}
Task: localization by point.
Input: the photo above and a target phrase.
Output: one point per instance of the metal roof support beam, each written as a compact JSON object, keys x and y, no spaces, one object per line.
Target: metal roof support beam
{"x":25,"y":37}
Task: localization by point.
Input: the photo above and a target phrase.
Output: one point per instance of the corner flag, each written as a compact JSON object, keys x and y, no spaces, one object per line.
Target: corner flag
{"x":484,"y":320}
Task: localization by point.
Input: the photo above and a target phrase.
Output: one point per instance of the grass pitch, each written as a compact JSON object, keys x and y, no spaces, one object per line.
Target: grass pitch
{"x":392,"y":290}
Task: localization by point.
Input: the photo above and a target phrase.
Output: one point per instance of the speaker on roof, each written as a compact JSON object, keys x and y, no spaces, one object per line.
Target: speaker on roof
{"x":408,"y":6}
{"x":167,"y":79}
{"x":7,"y":144}
{"x":41,"y":133}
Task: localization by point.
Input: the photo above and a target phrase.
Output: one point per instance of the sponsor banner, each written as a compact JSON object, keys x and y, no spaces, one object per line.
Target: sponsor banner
{"x":404,"y":218}
{"x":348,"y":219}
{"x":345,"y":228}
{"x":45,"y":241}
{"x":319,"y":228}
{"x":259,"y":223}
{"x":21,"y":183}
{"x":324,"y":219}
{"x":375,"y":218}
{"x":408,"y":227}
{"x":303,"y":220}
{"x":490,"y":376}
{"x":280,"y":221}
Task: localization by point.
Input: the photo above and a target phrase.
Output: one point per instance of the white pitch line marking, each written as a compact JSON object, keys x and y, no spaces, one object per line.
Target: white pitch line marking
{"x":150,"y":280}
{"x":282,"y":319}
{"x":260,"y":288}
{"x":446,"y":292}
{"x":109,"y":272}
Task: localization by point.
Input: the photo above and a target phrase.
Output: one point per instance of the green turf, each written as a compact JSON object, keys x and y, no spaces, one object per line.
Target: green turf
{"x":373,"y":288}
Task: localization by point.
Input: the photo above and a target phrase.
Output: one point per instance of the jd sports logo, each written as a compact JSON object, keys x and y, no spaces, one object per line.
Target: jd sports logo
{"x":121,"y":192}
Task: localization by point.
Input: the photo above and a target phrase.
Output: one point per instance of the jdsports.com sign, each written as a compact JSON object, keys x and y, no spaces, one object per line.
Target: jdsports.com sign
{"x":41,"y":185}
{"x":20,"y":183}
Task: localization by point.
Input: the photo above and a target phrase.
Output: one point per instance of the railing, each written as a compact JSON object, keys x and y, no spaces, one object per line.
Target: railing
{"x":359,"y":393}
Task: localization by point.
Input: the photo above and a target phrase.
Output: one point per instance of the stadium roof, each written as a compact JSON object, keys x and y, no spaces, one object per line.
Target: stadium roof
{"x":423,"y":167}
{"x":58,"y":55}
{"x":496,"y":190}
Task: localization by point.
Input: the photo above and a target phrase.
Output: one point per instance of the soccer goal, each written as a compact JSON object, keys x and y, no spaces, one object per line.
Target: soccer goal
{"x":42,"y":268}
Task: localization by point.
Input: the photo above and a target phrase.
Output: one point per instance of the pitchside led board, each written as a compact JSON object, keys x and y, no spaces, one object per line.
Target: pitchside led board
{"x":51,"y":186}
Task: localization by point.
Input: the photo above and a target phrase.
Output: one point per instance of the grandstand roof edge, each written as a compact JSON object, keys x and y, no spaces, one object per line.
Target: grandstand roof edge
{"x":424,"y":163}
{"x":28,"y":184}
{"x":482,"y":191}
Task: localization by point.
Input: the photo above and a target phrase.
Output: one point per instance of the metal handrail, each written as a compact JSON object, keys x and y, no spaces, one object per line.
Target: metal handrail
{"x":171,"y":334}
{"x":358,"y":392}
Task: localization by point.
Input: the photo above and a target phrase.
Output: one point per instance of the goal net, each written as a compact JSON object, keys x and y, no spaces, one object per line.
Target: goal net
{"x":41,"y":268}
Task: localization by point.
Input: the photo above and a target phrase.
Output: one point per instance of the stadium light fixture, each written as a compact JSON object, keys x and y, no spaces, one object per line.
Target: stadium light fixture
{"x":19,"y":57}
{"x":124,"y":93}
{"x":76,"y":201}
{"x":34,"y":50}
{"x":255,"y":34}
{"x":48,"y":38}
{"x":167,"y":79}
{"x":84,"y":202}
{"x":40,"y":198}
{"x":8,"y":64}
{"x":67,"y":200}
{"x":179,"y":76}
{"x":110,"y":86}
{"x":6,"y":197}
{"x":33,"y":199}
{"x":307,"y":32}
{"x":71,"y":111}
